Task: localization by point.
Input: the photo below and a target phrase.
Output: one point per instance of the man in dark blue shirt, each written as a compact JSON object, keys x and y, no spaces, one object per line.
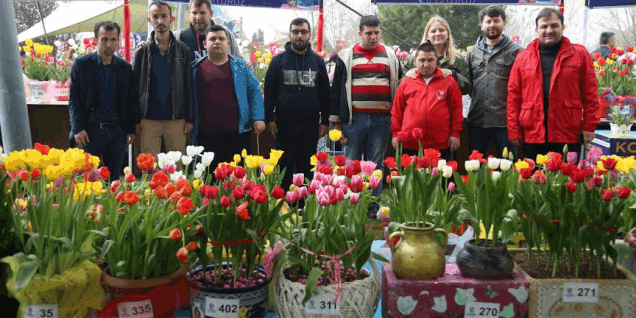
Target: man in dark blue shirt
{"x":100,"y":103}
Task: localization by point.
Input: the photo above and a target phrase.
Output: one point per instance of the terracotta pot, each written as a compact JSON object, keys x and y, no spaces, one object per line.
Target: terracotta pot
{"x":630,"y":238}
{"x":485,"y":262}
{"x":418,"y":255}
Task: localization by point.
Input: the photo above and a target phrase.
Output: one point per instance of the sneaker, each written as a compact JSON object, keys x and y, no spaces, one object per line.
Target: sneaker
{"x":374,"y":207}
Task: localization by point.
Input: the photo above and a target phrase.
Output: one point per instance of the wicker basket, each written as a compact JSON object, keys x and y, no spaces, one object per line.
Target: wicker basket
{"x":359,"y":299}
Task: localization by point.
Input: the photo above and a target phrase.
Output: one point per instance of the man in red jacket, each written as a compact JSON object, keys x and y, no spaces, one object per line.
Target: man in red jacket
{"x":552,"y":92}
{"x":430,"y":102}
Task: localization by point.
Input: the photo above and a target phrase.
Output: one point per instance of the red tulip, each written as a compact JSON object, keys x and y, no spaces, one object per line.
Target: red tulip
{"x":182,"y":254}
{"x":571,"y":186}
{"x":623,"y":192}
{"x":277,"y":192}
{"x":608,"y":194}
{"x":225,"y":201}
{"x":175,"y":234}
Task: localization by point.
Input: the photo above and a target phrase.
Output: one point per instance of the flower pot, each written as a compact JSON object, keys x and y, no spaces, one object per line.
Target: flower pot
{"x":164,"y":294}
{"x":485,"y":262}
{"x":616,"y":297}
{"x":622,"y":130}
{"x":630,"y":238}
{"x":359,"y":298}
{"x":248,"y":302}
{"x":74,"y":293}
{"x":38,"y":91}
{"x":418,"y":255}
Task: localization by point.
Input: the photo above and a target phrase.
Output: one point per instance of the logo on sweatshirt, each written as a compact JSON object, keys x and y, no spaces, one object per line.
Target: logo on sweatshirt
{"x":305,"y":78}
{"x":441,"y":94}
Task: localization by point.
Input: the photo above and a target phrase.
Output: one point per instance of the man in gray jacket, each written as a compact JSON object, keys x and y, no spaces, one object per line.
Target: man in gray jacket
{"x":489,"y":63}
{"x":161,"y":69}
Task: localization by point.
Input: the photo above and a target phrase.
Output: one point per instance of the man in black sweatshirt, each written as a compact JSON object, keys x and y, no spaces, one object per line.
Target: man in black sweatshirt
{"x":297,"y":101}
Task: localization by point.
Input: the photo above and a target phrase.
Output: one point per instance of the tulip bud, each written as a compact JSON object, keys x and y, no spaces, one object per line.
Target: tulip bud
{"x":496,"y":175}
{"x":451,"y":186}
{"x":505,"y":153}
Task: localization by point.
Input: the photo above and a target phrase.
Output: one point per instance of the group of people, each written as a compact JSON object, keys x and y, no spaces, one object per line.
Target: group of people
{"x":193,"y":85}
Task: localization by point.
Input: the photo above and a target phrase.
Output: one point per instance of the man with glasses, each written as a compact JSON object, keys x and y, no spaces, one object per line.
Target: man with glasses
{"x":297,"y":100}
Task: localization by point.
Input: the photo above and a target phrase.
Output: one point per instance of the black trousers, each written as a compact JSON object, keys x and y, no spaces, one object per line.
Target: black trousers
{"x":298,"y":143}
{"x":224,"y":145}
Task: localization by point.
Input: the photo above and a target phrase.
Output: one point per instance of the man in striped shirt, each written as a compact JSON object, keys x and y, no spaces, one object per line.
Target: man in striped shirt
{"x":365,"y":81}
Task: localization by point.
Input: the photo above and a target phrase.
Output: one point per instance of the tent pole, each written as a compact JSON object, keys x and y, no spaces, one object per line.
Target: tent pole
{"x":127,"y":30}
{"x":321,"y":27}
{"x":14,"y":116}
{"x":42,"y":19}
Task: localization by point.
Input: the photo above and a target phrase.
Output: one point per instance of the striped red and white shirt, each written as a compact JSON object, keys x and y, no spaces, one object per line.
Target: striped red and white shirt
{"x":370,"y":80}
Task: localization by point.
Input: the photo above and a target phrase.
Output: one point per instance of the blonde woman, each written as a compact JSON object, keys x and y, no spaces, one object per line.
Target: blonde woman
{"x":439,"y":34}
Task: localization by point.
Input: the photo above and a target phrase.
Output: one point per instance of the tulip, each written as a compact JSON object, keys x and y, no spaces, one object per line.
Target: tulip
{"x":496,"y":175}
{"x":571,"y":186}
{"x":608,"y":194}
{"x":374,"y":182}
{"x":182,"y":254}
{"x":441,"y":164}
{"x":207,"y":158}
{"x":493,"y":163}
{"x":197,"y":174}
{"x":353,"y":199}
{"x":298,"y":179}
{"x":130,"y":178}
{"x":623,"y":192}
{"x":225,"y":201}
{"x":451,"y":186}
{"x":447,"y":171}
{"x":505,"y":164}
{"x":170,"y":167}
{"x":472,"y":165}
{"x":289,"y":197}
{"x":277,"y":192}
{"x":335,"y":134}
{"x":186,"y":160}
{"x":192,"y":151}
{"x":192,"y":246}
{"x":435,"y":171}
{"x":175,"y":234}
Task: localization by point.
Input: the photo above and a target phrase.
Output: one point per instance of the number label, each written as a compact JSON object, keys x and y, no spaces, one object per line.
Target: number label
{"x":580,"y":292}
{"x":322,"y":305}
{"x":482,"y":310}
{"x":221,"y":308}
{"x":41,"y":311}
{"x":135,"y":309}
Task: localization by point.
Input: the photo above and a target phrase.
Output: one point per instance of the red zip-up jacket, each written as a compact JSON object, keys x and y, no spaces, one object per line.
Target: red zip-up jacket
{"x":435,"y":107}
{"x":573,"y":105}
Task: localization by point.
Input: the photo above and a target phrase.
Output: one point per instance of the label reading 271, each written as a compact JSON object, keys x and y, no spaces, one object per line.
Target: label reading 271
{"x":580,"y":292}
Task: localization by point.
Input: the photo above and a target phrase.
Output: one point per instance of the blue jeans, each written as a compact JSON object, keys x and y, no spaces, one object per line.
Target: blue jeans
{"x":369,"y":134}
{"x":480,"y":139}
{"x":109,"y":144}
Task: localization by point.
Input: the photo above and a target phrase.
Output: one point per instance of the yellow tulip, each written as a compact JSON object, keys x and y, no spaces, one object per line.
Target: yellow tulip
{"x":244,"y":153}
{"x":595,"y":64}
{"x":313,"y":161}
{"x":267,"y":61}
{"x":197,"y":183}
{"x":237,"y":158}
{"x":268,"y":169}
{"x":335,"y":134}
{"x":127,"y":170}
{"x":267,"y":55}
{"x":542,"y":159}
{"x":610,"y":62}
{"x":260,"y":60}
{"x":29,"y":42}
{"x":257,"y":53}
{"x":521,"y":165}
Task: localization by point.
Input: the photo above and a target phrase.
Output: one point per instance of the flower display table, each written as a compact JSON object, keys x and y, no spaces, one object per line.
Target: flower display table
{"x":453,"y":296}
{"x":614,"y":145}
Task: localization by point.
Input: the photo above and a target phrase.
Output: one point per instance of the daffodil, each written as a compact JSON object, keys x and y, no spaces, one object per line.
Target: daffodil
{"x":257,"y":53}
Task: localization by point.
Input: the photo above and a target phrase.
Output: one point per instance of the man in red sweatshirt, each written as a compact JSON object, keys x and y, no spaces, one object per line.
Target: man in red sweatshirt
{"x":430,"y":102}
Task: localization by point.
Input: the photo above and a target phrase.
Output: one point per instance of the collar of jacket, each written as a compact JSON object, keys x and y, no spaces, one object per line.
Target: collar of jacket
{"x":153,"y":41}
{"x":481,"y":42}
{"x":566,"y":46}
{"x":196,"y":63}
{"x":96,"y":59}
{"x":437,"y":74}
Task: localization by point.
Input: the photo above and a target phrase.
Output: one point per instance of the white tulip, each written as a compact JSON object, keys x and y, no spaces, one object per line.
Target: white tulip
{"x":447,"y":171}
{"x":176,"y":176}
{"x":186,"y":160}
{"x":174,"y":155}
{"x":162,"y":158}
{"x":441,"y":164}
{"x":472,"y":165}
{"x":75,"y":55}
{"x":71,"y":42}
{"x":199,"y":166}
{"x":496,"y":175}
{"x":192,"y":151}
{"x":74,"y":46}
{"x":207,"y":158}
{"x":81,"y":50}
{"x":505,"y":164}
{"x":57,"y":43}
{"x":198,"y":174}
{"x":493,"y":163}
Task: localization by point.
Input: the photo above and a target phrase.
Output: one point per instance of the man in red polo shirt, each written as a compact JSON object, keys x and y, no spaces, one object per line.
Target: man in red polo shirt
{"x":431,"y":102}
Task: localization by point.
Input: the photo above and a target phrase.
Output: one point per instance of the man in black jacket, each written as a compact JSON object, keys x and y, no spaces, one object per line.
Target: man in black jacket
{"x":101,"y":103}
{"x":297,"y":101}
{"x":162,"y":70}
{"x":200,"y":21}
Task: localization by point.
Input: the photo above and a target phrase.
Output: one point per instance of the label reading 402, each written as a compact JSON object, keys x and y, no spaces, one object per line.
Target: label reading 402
{"x":135,"y":309}
{"x":482,"y":310}
{"x":322,"y":305}
{"x":41,"y":311}
{"x":580,"y":292}
{"x":221,"y":308}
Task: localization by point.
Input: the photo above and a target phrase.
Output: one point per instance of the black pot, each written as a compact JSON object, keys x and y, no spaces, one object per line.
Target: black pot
{"x":251,"y":299}
{"x":485,"y":262}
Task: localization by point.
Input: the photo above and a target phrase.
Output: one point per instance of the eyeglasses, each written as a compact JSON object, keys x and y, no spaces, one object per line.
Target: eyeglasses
{"x":303,"y":32}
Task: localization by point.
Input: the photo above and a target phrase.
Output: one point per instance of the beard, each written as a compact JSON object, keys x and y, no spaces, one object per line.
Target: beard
{"x":297,"y":47}
{"x":493,"y":36}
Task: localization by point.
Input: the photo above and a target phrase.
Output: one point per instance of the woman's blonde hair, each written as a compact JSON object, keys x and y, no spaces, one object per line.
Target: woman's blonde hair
{"x":449,"y":50}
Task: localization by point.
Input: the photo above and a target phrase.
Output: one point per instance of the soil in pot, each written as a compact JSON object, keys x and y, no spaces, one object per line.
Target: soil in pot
{"x":227,"y":277}
{"x":537,"y":267}
{"x":296,"y":274}
{"x":479,"y":259}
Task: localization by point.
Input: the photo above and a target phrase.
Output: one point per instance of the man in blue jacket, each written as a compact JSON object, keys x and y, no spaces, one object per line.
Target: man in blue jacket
{"x":227,"y":99}
{"x":297,"y":101}
{"x":101,"y":105}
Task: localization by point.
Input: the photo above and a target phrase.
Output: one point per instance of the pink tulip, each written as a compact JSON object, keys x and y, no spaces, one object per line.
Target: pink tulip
{"x":339,"y":194}
{"x":571,"y":157}
{"x":323,"y":199}
{"x":313,"y":186}
{"x":327,"y":179}
{"x":302,"y":192}
{"x":289,"y":197}
{"x":170,"y":168}
{"x":367,"y":167}
{"x":451,"y":186}
{"x":353,"y":199}
{"x":374,"y":182}
{"x":435,"y":171}
{"x":299,"y":179}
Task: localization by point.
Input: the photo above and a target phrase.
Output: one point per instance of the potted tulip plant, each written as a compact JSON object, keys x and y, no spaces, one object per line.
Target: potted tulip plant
{"x":319,"y":265}
{"x":485,"y":193}
{"x":616,"y":79}
{"x":144,"y":223}
{"x":47,"y":199}
{"x":237,"y":215}
{"x":577,"y":208}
